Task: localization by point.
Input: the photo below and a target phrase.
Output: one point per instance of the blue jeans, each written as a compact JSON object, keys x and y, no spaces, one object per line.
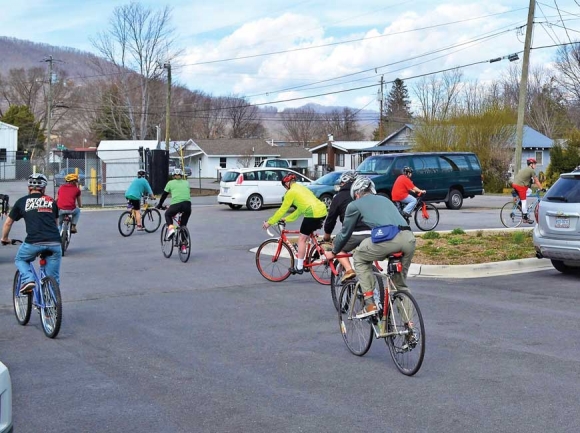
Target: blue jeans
{"x":76,"y":213}
{"x":409,"y":201}
{"x":27,"y":253}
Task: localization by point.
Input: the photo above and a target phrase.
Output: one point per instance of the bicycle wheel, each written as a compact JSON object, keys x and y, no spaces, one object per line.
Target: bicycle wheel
{"x":273,"y":260}
{"x":126,"y":224}
{"x":51,"y":308}
{"x":184,"y":247}
{"x":356,"y":333}
{"x":64,"y":236}
{"x":318,"y":268}
{"x":428,"y":218}
{"x":336,"y":284}
{"x":22,"y":303}
{"x":166,"y":244}
{"x":151,"y":220}
{"x":407,"y":340}
{"x":510,"y":215}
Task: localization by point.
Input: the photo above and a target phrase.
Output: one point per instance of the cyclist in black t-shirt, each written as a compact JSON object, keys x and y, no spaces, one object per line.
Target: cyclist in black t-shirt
{"x":40,"y":214}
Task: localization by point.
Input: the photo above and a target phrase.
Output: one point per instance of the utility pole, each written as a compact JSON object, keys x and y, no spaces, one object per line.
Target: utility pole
{"x":524,"y":88}
{"x":167,"y":109}
{"x":381,"y":109}
{"x":50,"y":60}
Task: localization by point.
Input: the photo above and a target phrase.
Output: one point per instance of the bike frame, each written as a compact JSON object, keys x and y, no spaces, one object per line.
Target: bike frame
{"x":313,"y":239}
{"x":37,"y":296}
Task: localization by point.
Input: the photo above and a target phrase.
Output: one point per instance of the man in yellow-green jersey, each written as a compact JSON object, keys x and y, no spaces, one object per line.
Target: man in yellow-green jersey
{"x":306,"y":204}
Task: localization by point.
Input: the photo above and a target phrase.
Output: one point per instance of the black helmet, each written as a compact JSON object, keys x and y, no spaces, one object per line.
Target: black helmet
{"x":407,"y":170}
{"x":37,"y":180}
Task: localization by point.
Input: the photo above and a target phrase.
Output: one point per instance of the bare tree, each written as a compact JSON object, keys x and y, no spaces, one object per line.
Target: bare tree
{"x":438,"y":97}
{"x":568,"y":64}
{"x":301,"y":125}
{"x":136,"y":41}
{"x":243,"y":117}
{"x":343,"y":124}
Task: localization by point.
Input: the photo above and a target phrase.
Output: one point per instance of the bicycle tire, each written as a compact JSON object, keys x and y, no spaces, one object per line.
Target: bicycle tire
{"x":336,"y":284}
{"x":319,"y":269}
{"x":64,"y":237}
{"x":166,"y":244}
{"x":151,"y":220}
{"x":406,"y":348}
{"x":51,"y":311}
{"x":510,"y":215}
{"x":22,"y":303}
{"x":184,"y":247}
{"x":273,"y":262}
{"x":126,"y":224}
{"x":428,"y":221}
{"x":356,"y":333}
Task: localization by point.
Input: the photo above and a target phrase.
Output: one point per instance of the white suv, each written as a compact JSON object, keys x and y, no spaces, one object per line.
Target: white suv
{"x":557,"y":233}
{"x":5,"y":400}
{"x":255,"y":187}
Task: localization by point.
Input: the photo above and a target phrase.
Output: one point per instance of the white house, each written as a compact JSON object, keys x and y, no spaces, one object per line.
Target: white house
{"x":347,"y":154}
{"x":8,"y":147}
{"x":121,"y":161}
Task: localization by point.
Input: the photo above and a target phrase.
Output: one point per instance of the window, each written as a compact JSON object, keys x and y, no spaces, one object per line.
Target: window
{"x":322,"y":158}
{"x":2,"y":155}
{"x":540,"y":157}
{"x":426,"y":164}
{"x":400,"y":163}
{"x":339,"y":159}
{"x":223,"y":162}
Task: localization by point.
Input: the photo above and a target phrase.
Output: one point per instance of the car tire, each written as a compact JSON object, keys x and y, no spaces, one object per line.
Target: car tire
{"x":560,"y":266}
{"x":326,"y":199}
{"x":455,"y":200}
{"x":255,"y":202}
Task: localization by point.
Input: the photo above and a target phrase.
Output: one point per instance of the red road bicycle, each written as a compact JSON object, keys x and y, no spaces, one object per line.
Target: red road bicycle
{"x":275,"y":256}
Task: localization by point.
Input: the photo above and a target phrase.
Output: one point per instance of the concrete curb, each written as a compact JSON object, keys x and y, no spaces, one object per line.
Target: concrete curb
{"x":480,"y":270}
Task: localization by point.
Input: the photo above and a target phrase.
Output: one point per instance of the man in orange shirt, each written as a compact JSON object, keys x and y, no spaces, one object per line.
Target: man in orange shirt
{"x":401,"y":189}
{"x":68,"y":201}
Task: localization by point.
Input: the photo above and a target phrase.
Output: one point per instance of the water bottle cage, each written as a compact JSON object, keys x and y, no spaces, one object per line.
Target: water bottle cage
{"x":395,"y":267}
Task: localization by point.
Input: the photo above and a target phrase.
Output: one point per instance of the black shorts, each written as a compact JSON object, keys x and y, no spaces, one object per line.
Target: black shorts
{"x":135,"y":203}
{"x":310,"y":225}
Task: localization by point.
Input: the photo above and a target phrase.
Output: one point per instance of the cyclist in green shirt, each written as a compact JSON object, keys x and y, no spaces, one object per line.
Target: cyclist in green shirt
{"x":178,"y":187}
{"x":306,"y":204}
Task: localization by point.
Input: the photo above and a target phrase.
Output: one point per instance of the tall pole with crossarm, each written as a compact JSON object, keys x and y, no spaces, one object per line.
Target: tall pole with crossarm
{"x":524,"y":88}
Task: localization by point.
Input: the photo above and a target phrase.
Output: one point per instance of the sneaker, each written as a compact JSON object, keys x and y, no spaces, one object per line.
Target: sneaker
{"x":368,"y":310}
{"x":170,"y":233}
{"x":140,"y":228}
{"x":348,"y":275}
{"x":184,"y":248}
{"x":27,"y":288}
{"x":73,"y":228}
{"x":527,"y":220}
{"x":295,"y":271}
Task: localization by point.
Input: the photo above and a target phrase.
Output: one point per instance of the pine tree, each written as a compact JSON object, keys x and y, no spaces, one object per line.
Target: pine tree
{"x":396,"y":110}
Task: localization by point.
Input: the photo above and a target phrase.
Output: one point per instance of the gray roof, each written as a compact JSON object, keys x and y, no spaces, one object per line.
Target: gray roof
{"x":233,"y":147}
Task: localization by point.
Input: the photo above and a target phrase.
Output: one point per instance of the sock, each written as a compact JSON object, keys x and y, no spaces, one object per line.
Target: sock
{"x":300,"y":264}
{"x":524,"y":206}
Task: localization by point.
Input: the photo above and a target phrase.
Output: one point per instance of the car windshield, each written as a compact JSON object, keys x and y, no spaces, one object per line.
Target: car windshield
{"x":566,"y":189}
{"x":375,"y":165}
{"x":328,"y":179}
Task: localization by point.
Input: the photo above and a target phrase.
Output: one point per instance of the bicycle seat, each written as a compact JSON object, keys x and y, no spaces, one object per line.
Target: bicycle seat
{"x":395,"y":255}
{"x":44,"y":254}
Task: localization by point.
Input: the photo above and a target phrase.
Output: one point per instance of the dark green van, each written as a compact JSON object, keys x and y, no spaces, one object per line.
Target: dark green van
{"x":446,"y":176}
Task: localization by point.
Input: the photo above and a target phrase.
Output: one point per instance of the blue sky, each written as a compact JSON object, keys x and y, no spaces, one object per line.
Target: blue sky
{"x":322,"y":47}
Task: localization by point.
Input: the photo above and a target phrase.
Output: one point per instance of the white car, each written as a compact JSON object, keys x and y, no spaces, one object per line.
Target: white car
{"x":255,"y":187}
{"x":5,"y":400}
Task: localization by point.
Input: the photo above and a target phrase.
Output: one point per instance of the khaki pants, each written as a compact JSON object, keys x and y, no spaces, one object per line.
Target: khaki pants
{"x":367,"y":253}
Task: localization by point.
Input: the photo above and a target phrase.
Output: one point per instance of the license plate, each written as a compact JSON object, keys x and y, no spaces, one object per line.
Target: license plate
{"x":225,"y":190}
{"x":563,"y":223}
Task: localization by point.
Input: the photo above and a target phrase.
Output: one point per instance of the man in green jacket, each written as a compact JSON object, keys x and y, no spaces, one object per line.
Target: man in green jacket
{"x":180,"y":192}
{"x":306,"y":204}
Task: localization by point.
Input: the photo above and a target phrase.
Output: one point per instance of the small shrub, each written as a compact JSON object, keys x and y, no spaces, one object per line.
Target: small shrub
{"x":431,"y":235}
{"x":479,"y":233}
{"x":518,"y":237}
{"x":458,"y":231}
{"x":455,"y":241}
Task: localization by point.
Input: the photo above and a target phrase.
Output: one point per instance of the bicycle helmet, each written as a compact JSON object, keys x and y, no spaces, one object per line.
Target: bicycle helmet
{"x":288,"y":178}
{"x":407,"y":170}
{"x":177,"y":172}
{"x":141,"y":173}
{"x":360,"y":185}
{"x":37,"y":180}
{"x":531,"y":161}
{"x":346,"y":177}
{"x":72,"y":177}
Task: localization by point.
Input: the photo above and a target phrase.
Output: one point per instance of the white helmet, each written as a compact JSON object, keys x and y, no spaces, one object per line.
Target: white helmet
{"x":177,"y":172}
{"x":346,"y":177}
{"x":360,"y":185}
{"x":37,"y":180}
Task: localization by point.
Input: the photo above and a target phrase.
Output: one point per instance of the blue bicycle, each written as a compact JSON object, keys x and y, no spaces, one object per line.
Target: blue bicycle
{"x":45,"y":297}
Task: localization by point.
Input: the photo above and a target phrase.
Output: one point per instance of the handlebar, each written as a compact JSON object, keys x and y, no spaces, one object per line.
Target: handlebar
{"x":279,"y":227}
{"x":12,"y":242}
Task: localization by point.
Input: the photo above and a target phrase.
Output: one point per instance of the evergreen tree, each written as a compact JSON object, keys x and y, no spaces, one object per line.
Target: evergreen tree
{"x":563,"y":159}
{"x":396,"y":110}
{"x":30,"y":135}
